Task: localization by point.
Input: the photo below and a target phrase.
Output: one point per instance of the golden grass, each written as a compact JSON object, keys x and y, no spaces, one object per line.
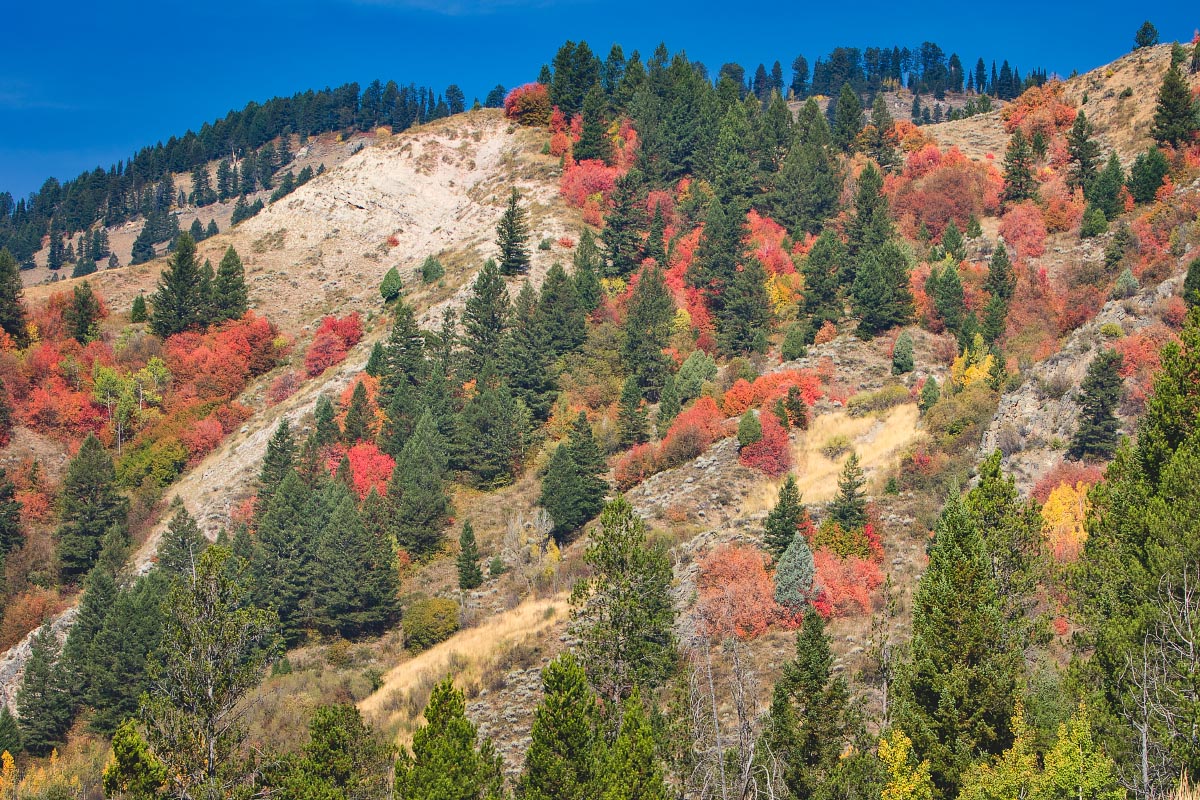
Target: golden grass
{"x":468,"y":655}
{"x":878,"y":440}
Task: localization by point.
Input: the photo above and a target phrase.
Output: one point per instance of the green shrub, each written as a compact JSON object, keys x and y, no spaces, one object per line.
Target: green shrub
{"x":161,"y":461}
{"x":749,"y":429}
{"x":1111,"y":330}
{"x":392,"y":285}
{"x":696,"y":370}
{"x":1126,"y":285}
{"x":431,"y":270}
{"x":1094,"y":223}
{"x":796,"y":341}
{"x":835,"y":446}
{"x":864,"y":403}
{"x":902,"y":354}
{"x":545,"y":244}
{"x":429,"y":621}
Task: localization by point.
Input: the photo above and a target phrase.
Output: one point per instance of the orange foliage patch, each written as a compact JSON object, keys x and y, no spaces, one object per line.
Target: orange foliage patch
{"x":370,"y":468}
{"x":771,"y":453}
{"x":1039,"y":108}
{"x":27,"y":611}
{"x":1024,"y":228}
{"x":770,"y":387}
{"x":1071,"y":473}
{"x":737,"y":595}
{"x":846,"y":584}
{"x":528,"y":104}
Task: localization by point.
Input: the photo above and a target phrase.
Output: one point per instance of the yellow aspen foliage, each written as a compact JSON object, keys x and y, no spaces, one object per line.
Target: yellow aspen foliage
{"x":682,"y":321}
{"x":1076,"y":767}
{"x":49,"y":780}
{"x":613,"y":287}
{"x":1014,"y":774}
{"x":8,"y":776}
{"x":782,"y":292}
{"x":973,"y":366}
{"x":1063,"y":518}
{"x":905,"y":781}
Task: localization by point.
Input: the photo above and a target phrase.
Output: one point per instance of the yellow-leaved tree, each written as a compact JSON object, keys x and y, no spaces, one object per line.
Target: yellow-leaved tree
{"x":906,"y":781}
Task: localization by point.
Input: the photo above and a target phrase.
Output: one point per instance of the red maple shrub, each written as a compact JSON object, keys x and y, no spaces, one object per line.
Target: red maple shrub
{"x":846,"y":583}
{"x":770,"y":454}
{"x":736,"y":594}
{"x":1071,"y":473}
{"x":635,"y":466}
{"x":370,"y":468}
{"x":528,"y":104}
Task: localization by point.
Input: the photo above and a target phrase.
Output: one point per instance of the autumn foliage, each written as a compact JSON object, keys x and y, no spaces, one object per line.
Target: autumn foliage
{"x":736,"y":594}
{"x":332,"y":341}
{"x":528,"y":104}
{"x":370,"y":468}
{"x":768,"y":388}
{"x":770,"y":454}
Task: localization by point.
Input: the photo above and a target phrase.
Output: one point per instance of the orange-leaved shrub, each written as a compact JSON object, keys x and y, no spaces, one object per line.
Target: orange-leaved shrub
{"x":736,"y":594}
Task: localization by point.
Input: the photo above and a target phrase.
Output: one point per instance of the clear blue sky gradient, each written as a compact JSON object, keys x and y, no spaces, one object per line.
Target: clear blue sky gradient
{"x":86,"y":84}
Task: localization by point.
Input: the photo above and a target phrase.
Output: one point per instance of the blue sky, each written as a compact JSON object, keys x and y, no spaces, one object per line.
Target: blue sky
{"x":88,"y":83}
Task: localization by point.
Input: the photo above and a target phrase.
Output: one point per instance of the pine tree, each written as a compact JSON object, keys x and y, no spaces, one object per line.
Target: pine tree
{"x":821,"y":269}
{"x":1146,"y":36}
{"x":623,"y":614}
{"x":588,"y":264}
{"x":178,"y":302}
{"x":229,"y":287}
{"x":277,"y":463}
{"x":560,"y":313}
{"x":491,"y":436}
{"x":929,"y":394}
{"x":622,"y":227}
{"x":669,"y":406}
{"x":282,"y":564}
{"x":12,"y":310}
{"x":1096,"y":437}
{"x":882,"y":298}
{"x":955,"y":694}
{"x":633,"y":426}
{"x":847,"y":119}
{"x":807,"y":187}
{"x":1001,"y":280}
{"x":43,"y":702}
{"x":418,"y":489}
{"x":325,"y":430}
{"x":137,"y":313}
{"x":485,"y":320}
{"x":745,"y":316}
{"x":810,"y":722}
{"x":10,"y":733}
{"x":632,"y":770}
{"x":1019,"y":183}
{"x":785,"y":519}
{"x":447,"y":762}
{"x":564,"y":760}
{"x":849,"y":507}
{"x":1176,"y":118}
{"x":470,"y":576}
{"x":948,"y":298}
{"x":528,"y":355}
{"x":512,"y":237}
{"x":10,"y":512}
{"x":648,"y":330}
{"x":1083,"y":152}
{"x":117,"y":673}
{"x":181,"y":543}
{"x":356,"y":591}
{"x":1191,"y":284}
{"x":871,"y":226}
{"x":593,"y":139}
{"x":902,"y":354}
{"x":357,"y":426}
{"x":90,"y":505}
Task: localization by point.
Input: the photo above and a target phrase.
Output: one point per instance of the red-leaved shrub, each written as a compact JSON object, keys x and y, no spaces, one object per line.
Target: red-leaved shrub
{"x":736,"y":595}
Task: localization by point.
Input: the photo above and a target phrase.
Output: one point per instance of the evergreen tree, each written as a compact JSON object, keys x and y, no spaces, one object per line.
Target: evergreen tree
{"x":277,"y":462}
{"x":1146,"y":175}
{"x":880,"y":145}
{"x":655,"y":246}
{"x":559,"y":313}
{"x":733,"y":170}
{"x":794,"y":575}
{"x":847,"y":119}
{"x":1105,"y":192}
{"x":588,"y":264}
{"x":12,"y":310}
{"x":902,"y":354}
{"x":229,"y":288}
{"x":357,"y":587}
{"x":1083,"y":152}
{"x":593,"y":139}
{"x":117,"y":671}
{"x":10,"y":733}
{"x":418,"y":489}
{"x":137,"y":312}
{"x":744,"y":320}
{"x":491,"y":436}
{"x":564,"y":760}
{"x":821,"y":269}
{"x":1191,"y":284}
{"x":749,"y":429}
{"x":721,"y":253}
{"x":325,"y":430}
{"x":447,"y":763}
{"x":1096,"y":437}
{"x":89,"y":506}
{"x":181,"y":543}
{"x":632,"y":770}
{"x":99,"y":595}
{"x":1176,"y":117}
{"x":1019,"y":183}
{"x":623,"y":614}
{"x":485,"y":320}
{"x":357,"y":425}
{"x":43,"y":702}
{"x":952,"y":242}
{"x":871,"y":226}
{"x":470,"y":576}
{"x":633,"y":426}
{"x":622,"y":227}
{"x":882,"y":298}
{"x":648,"y":330}
{"x":1001,"y":280}
{"x":669,"y":406}
{"x":1146,"y":36}
{"x":929,"y":394}
{"x":849,"y":507}
{"x":948,"y":298}
{"x":528,"y":355}
{"x":785,"y":519}
{"x":10,"y":515}
{"x":512,"y":237}
{"x":563,"y":494}
{"x":956,"y":693}
{"x":810,"y":723}
{"x":806,"y":190}
{"x":282,"y":563}
{"x":178,"y":302}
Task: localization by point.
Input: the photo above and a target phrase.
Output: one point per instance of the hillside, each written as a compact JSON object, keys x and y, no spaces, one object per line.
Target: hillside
{"x":653,"y":403}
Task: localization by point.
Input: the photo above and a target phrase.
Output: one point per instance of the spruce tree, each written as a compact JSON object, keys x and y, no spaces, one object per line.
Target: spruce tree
{"x":1001,"y":280}
{"x":564,"y":760}
{"x":871,"y":225}
{"x":178,"y":302}
{"x":794,"y":575}
{"x":955,"y":694}
{"x":12,"y":310}
{"x":648,"y":330}
{"x":229,"y":288}
{"x":447,"y":762}
{"x":78,"y":659}
{"x":89,"y":506}
{"x":1176,"y":117}
{"x":749,"y":430}
{"x":137,"y":312}
{"x":952,"y":242}
{"x":733,"y":171}
{"x":512,"y":237}
{"x":11,"y":509}
{"x":282,"y":563}
{"x":669,"y":406}
{"x":357,"y":588}
{"x":117,"y":658}
{"x":1191,"y":284}
{"x":588,"y":264}
{"x":821,"y":268}
{"x":559,"y":312}
{"x":1146,"y":175}
{"x":562,"y":494}
{"x":745,"y":316}
{"x":632,"y":769}
{"x":849,"y":507}
{"x":357,"y":427}
{"x":847,"y":119}
{"x":929,"y":394}
{"x":325,"y":430}
{"x":1096,"y":436}
{"x":1105,"y":191}
{"x":807,"y":187}
{"x":902,"y":354}
{"x":43,"y":701}
{"x":593,"y":138}
{"x":485,"y":319}
{"x":491,"y":436}
{"x":277,"y":463}
{"x":655,"y":244}
{"x":948,"y":298}
{"x":181,"y":544}
{"x":1019,"y":183}
{"x":417,"y":487}
{"x":882,"y":298}
{"x":10,"y":733}
{"x":785,"y":519}
{"x":470,"y":576}
{"x":622,"y":227}
{"x":633,"y":425}
{"x":1083,"y":152}
{"x":528,"y":355}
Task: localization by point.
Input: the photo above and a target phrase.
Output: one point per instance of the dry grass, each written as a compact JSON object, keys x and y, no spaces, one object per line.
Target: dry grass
{"x":878,"y":440}
{"x":469,"y":655}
